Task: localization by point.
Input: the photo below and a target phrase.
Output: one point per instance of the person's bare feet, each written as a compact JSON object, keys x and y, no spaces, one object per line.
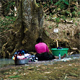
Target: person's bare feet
{"x":56,"y":57}
{"x":63,"y":56}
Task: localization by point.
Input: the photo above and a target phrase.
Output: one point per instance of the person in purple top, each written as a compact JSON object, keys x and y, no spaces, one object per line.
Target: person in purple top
{"x":42,"y":51}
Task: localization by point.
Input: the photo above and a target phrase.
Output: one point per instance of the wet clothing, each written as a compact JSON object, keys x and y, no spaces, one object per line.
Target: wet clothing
{"x":43,"y":52}
{"x":45,"y":56}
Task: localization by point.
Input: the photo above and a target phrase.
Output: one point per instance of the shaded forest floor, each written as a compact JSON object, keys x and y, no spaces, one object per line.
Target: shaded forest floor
{"x":69,"y":70}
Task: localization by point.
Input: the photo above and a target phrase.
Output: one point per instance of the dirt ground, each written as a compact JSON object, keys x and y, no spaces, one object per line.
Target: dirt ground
{"x":69,"y":70}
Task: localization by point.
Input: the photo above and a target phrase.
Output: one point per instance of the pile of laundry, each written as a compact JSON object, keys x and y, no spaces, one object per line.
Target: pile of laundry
{"x":23,"y":54}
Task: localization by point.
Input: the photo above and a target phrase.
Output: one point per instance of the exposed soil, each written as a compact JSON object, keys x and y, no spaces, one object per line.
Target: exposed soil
{"x":69,"y":70}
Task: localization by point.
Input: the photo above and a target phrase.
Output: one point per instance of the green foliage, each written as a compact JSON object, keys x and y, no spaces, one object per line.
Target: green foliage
{"x":50,"y":17}
{"x":64,"y":31}
{"x":57,"y":20}
{"x":4,"y":23}
{"x":62,"y":3}
{"x":9,"y":7}
{"x":45,"y":5}
{"x":16,"y":76}
{"x":51,"y":1}
{"x":73,"y":74}
{"x":73,"y":13}
{"x":57,"y":25}
{"x":47,"y":33}
{"x":67,"y":13}
{"x":10,"y":4}
{"x":79,"y":13}
{"x":75,"y":7}
{"x":45,"y":15}
{"x":50,"y":27}
{"x":63,"y":17}
{"x":76,"y":24}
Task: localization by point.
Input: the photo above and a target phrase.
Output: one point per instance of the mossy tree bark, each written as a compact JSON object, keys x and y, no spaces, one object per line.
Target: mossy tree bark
{"x":27,"y":28}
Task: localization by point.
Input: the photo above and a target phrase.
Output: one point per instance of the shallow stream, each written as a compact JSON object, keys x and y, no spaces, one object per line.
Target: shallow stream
{"x":4,"y":62}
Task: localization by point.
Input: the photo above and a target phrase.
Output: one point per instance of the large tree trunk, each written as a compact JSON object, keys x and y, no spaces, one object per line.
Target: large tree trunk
{"x":27,"y":28}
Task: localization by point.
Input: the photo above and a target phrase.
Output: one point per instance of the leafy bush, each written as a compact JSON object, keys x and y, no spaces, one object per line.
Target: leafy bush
{"x":8,"y":7}
{"x":4,"y":23}
{"x":62,"y":4}
{"x":63,"y":17}
{"x":79,"y":13}
{"x":57,"y":20}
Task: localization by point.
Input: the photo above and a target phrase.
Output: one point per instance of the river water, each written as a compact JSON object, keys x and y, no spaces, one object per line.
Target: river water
{"x":4,"y":62}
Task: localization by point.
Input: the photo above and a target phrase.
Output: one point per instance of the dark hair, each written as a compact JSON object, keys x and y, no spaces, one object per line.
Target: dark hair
{"x":39,"y":40}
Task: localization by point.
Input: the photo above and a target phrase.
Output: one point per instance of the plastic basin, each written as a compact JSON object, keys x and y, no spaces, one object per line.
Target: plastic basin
{"x":62,"y":51}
